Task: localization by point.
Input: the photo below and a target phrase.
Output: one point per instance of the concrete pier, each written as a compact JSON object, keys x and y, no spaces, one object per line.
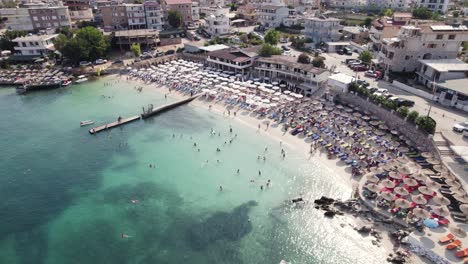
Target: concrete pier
{"x":123,"y":121}
{"x":168,"y":107}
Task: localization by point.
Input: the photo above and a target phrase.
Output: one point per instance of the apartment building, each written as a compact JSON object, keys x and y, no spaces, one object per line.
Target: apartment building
{"x":50,"y":17}
{"x":154,"y":15}
{"x":238,"y":61}
{"x":17,"y":19}
{"x":271,"y":14}
{"x":440,"y":6}
{"x":114,"y":17}
{"x":387,"y":27}
{"x":322,"y":29}
{"x":136,"y":17}
{"x":301,"y":78}
{"x":217,"y":23}
{"x":187,"y":8}
{"x":247,"y":12}
{"x":34,"y":45}
{"x":79,"y":10}
{"x":428,"y":42}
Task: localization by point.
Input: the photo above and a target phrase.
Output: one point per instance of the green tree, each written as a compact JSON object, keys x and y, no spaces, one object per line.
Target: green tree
{"x":60,"y":41}
{"x":388,"y":12}
{"x":6,"y":42}
{"x":95,"y":43}
{"x":456,"y":14}
{"x":403,"y":111}
{"x":66,"y":31}
{"x":174,"y":18}
{"x":272,"y":37}
{"x":290,"y":7}
{"x":426,"y":123}
{"x":365,"y":56}
{"x":318,"y":62}
{"x":303,"y":58}
{"x":353,"y":87}
{"x":267,"y":50}
{"x":367,"y":22}
{"x":75,"y":50}
{"x":136,"y":50}
{"x":412,"y":116}
{"x":233,"y":7}
{"x":422,"y":13}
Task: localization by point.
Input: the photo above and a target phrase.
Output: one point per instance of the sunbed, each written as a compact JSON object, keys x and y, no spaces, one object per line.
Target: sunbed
{"x":454,"y":244}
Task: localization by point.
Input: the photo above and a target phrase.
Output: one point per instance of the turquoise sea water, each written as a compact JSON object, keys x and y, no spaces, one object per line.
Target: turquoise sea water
{"x":66,"y":195}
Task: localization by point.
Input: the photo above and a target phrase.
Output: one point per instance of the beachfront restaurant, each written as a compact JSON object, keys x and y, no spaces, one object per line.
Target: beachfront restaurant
{"x":234,"y":60}
{"x":301,"y":78}
{"x":147,"y":38}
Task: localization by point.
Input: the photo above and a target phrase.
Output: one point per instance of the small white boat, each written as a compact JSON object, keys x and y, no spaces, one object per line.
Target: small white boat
{"x":81,"y":79}
{"x":86,"y":123}
{"x":66,"y":83}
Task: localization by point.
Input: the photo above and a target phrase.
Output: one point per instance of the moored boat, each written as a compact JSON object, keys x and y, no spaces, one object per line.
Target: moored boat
{"x":86,"y":123}
{"x":81,"y":79}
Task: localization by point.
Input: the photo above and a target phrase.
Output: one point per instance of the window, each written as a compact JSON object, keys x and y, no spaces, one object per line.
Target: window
{"x":407,"y":57}
{"x":35,"y":18}
{"x":432,"y":46}
{"x":452,"y":36}
{"x":439,"y":36}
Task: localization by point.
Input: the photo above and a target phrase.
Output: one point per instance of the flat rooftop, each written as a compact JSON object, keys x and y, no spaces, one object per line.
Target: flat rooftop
{"x":136,"y":33}
{"x":214,"y":47}
{"x":35,"y":38}
{"x":446,"y":65}
{"x":458,"y":85}
{"x":342,"y":78}
{"x":291,"y":62}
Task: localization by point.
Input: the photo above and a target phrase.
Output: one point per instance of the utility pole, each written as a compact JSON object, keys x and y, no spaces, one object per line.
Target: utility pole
{"x":433,"y":94}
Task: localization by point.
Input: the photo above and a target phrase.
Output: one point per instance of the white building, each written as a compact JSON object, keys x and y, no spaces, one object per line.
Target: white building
{"x":440,"y":6}
{"x":136,"y":16}
{"x":217,"y":23}
{"x":271,"y":14}
{"x":345,"y":4}
{"x":34,"y":45}
{"x":299,"y":77}
{"x":322,"y":29}
{"x":449,"y":80}
{"x":17,"y":19}
{"x":339,"y":82}
{"x":154,"y":15}
{"x":402,"y":53}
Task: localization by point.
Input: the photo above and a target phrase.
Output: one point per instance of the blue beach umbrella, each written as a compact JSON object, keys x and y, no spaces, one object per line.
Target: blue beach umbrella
{"x":431,"y":223}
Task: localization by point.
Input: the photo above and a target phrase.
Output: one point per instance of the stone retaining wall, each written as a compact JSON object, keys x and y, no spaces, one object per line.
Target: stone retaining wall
{"x":422,"y":140}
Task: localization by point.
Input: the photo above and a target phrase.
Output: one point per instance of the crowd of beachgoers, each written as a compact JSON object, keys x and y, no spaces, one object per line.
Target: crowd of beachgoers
{"x":397,"y":178}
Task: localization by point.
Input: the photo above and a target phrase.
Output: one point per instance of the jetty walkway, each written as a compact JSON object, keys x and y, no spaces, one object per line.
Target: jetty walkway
{"x":145,"y":115}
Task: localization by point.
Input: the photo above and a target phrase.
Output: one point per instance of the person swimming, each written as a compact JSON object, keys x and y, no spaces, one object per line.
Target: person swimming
{"x":134,"y":201}
{"x":125,"y":235}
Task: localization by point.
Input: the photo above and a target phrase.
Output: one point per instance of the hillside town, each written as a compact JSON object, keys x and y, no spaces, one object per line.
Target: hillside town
{"x":405,"y":60}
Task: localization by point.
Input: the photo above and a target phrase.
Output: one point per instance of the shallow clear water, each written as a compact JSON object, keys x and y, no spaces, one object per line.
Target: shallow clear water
{"x":66,"y":195}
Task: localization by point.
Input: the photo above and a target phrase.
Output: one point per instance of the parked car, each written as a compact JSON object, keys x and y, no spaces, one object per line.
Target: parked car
{"x":158,"y":53}
{"x":100,"y":61}
{"x":85,"y":63}
{"x":363,"y":83}
{"x":340,"y":52}
{"x":372,"y":89}
{"x":170,"y":52}
{"x":196,"y":38}
{"x":284,"y":47}
{"x":405,"y":102}
{"x":117,"y":62}
{"x":370,"y":74}
{"x":360,"y":68}
{"x":283,"y":40}
{"x":347,"y":51}
{"x":461,"y":127}
{"x":465,"y":133}
{"x":349,"y":61}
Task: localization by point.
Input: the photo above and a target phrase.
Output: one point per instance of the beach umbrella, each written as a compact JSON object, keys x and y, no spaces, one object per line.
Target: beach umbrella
{"x":388,"y":183}
{"x":458,"y":191}
{"x":403,"y":149}
{"x":419,"y":176}
{"x":433,"y":161}
{"x":464,"y":208}
{"x":425,"y":190}
{"x":372,"y":187}
{"x":453,"y":183}
{"x":387,"y":196}
{"x":426,"y":155}
{"x":410,"y":182}
{"x":439,"y":168}
{"x":395,"y":175}
{"x":419,"y":199}
{"x":461,"y":198}
{"x":458,"y":231}
{"x":432,"y":185}
{"x":441,"y":211}
{"x":404,"y":170}
{"x":421,"y":213}
{"x":402,"y":203}
{"x":376,"y":170}
{"x":430,"y":223}
{"x":441,"y":200}
{"x":401,"y":191}
{"x":373,"y":178}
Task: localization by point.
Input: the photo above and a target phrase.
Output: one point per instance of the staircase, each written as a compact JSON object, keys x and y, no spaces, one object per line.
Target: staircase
{"x":442,"y":145}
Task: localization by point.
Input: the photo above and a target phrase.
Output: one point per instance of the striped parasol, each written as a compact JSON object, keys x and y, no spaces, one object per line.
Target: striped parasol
{"x":401,"y":191}
{"x":441,"y":211}
{"x":419,"y":199}
{"x":441,"y":200}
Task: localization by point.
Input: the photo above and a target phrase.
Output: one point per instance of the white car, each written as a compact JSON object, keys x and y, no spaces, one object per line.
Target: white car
{"x":460,"y":127}
{"x":100,"y":61}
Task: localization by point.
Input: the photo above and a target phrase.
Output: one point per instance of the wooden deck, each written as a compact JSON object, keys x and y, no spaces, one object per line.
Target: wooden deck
{"x":123,"y":121}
